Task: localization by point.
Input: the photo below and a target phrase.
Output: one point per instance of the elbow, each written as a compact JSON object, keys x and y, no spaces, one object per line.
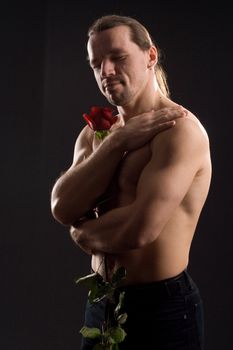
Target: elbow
{"x":57,"y":207}
{"x":145,"y":238}
{"x":142,"y":234}
{"x":65,"y":213}
{"x":59,"y":213}
{"x":61,"y":208}
{"x":138,"y":241}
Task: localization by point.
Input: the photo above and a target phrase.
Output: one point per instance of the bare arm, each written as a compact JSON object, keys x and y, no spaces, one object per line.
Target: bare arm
{"x":161,"y":188}
{"x":78,"y":189}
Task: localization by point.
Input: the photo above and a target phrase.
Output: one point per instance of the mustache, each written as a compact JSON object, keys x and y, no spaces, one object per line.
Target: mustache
{"x":109,"y":81}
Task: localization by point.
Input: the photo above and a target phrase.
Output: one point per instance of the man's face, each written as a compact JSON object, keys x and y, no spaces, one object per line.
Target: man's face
{"x":120,"y":66}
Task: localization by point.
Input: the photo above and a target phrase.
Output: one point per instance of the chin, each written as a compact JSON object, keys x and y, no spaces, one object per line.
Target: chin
{"x":117,"y":100}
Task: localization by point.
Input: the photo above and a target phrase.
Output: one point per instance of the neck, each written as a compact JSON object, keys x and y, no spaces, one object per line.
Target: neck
{"x":152,"y":98}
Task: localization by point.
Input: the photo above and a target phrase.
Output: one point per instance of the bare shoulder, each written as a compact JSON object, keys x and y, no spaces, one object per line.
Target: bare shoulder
{"x":187,"y":130}
{"x":186,"y":140}
{"x":85,"y":136}
{"x":83,"y":145}
{"x":189,"y":127}
{"x":195,"y":124}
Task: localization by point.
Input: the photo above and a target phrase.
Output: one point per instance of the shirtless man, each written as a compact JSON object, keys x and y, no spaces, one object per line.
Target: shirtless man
{"x":159,"y":161}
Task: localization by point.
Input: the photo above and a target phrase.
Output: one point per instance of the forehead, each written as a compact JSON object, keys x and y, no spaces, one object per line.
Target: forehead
{"x":110,"y":40}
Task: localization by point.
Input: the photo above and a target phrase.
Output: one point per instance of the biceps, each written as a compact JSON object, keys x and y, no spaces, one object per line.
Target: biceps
{"x":161,"y":190}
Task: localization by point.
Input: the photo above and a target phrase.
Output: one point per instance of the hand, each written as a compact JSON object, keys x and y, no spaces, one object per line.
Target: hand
{"x":76,"y":235}
{"x":142,"y":128}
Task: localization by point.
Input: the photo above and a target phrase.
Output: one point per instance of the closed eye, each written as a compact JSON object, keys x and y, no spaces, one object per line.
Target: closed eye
{"x":119,"y":58}
{"x":95,"y":65}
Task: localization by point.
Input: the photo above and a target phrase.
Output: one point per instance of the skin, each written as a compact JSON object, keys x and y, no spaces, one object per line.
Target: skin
{"x":157,"y":170}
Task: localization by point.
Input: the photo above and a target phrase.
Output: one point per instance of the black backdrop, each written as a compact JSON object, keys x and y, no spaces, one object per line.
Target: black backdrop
{"x":46,"y":85}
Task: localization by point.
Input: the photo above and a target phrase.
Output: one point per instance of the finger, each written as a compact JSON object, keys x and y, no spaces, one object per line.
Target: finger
{"x":176,"y":109}
{"x":171,"y":115}
{"x":181,"y":110}
{"x":167,"y":113}
{"x":166,"y":125}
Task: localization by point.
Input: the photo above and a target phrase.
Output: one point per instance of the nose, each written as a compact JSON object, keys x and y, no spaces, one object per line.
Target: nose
{"x":107,"y":68}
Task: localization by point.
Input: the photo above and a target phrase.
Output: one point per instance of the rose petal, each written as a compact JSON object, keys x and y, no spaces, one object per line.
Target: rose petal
{"x":89,"y":121}
{"x":100,"y":118}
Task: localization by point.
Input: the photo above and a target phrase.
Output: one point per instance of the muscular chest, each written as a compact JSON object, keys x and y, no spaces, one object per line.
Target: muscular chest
{"x":132,"y":167}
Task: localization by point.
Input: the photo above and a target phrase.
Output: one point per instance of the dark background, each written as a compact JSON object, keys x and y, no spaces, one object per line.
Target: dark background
{"x":46,"y":85}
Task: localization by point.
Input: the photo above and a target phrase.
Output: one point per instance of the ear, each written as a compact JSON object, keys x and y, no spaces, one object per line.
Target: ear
{"x":152,"y":57}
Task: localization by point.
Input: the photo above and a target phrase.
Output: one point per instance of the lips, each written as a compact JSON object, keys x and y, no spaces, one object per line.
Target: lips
{"x":109,"y":84}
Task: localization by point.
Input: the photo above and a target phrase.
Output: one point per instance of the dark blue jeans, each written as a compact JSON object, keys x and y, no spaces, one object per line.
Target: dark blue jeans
{"x":164,"y":315}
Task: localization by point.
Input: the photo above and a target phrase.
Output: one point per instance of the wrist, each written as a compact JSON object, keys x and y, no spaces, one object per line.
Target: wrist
{"x":117,"y":141}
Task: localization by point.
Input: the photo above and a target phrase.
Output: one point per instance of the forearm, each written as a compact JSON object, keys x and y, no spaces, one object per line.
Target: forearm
{"x":77,"y":191}
{"x":111,"y":233}
{"x":125,"y":228}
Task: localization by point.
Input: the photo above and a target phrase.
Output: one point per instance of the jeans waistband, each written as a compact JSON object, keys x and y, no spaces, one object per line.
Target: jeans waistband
{"x":177,"y":285}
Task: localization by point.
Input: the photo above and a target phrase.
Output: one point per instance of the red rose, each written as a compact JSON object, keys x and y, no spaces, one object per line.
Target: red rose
{"x":100,"y":118}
